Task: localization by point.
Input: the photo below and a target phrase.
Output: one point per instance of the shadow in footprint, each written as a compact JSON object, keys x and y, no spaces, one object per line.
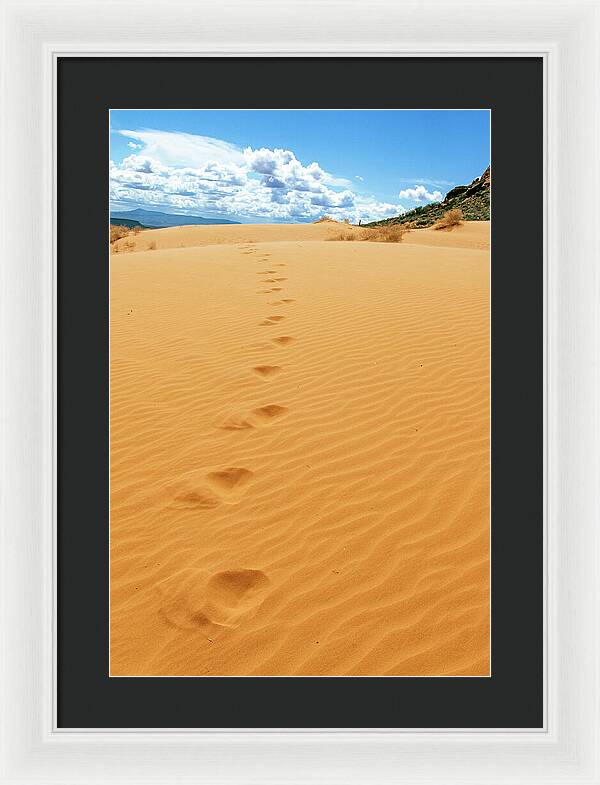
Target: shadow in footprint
{"x":271,"y":320}
{"x":266,"y":370}
{"x":283,"y":340}
{"x":231,"y":479}
{"x":270,"y":411}
{"x":236,"y":424}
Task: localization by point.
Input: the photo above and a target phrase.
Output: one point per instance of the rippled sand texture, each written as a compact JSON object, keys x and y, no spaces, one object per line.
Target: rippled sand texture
{"x":300,"y":453}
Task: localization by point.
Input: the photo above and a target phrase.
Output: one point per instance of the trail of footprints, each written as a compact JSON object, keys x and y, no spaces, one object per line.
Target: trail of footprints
{"x":192,"y":599}
{"x":268,"y":413}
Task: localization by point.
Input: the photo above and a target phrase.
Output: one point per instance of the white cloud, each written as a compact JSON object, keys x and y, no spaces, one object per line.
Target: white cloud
{"x":420,"y":194}
{"x":134,"y":146}
{"x":358,"y":177}
{"x":180,"y":149}
{"x":425,"y":181}
{"x":197,"y":174}
{"x":284,"y":169}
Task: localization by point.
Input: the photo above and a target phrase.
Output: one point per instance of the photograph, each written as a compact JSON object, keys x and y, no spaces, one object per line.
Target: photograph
{"x":299,"y":392}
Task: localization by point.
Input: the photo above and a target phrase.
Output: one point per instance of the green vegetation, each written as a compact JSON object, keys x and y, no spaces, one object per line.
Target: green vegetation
{"x":472,"y":200}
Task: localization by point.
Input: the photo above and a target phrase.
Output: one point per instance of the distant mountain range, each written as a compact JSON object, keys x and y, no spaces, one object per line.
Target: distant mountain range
{"x":472,"y":200}
{"x":129,"y":222}
{"x":151,"y":219}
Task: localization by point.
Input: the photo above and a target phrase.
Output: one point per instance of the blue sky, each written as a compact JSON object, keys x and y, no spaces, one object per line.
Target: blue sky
{"x":282,"y":165}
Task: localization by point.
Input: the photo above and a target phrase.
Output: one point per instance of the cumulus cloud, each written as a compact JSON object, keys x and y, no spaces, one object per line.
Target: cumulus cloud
{"x":284,"y":168}
{"x":420,"y":194}
{"x":192,"y":173}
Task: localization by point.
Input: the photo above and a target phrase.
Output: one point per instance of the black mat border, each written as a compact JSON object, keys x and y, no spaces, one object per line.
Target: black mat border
{"x":513,"y":89}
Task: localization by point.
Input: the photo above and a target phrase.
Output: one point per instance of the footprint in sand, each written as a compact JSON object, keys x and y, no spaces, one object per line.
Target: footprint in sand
{"x":263,"y":415}
{"x":271,"y":320}
{"x":229,"y":481}
{"x":201,"y":491}
{"x":270,"y":411}
{"x":283,"y":340}
{"x":236,"y":424}
{"x":266,"y":370}
{"x":266,"y":272}
{"x":198,"y":499}
{"x":194,"y":600}
{"x":276,"y":289}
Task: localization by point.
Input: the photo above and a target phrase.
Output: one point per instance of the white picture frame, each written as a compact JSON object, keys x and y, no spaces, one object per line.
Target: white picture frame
{"x":566,"y":33}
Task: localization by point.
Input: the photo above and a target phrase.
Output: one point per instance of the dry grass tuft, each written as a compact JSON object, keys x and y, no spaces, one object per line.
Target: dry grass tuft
{"x":450,"y":219}
{"x":116,"y":232}
{"x":392,"y":233}
{"x":349,"y":235}
{"x":152,"y":246}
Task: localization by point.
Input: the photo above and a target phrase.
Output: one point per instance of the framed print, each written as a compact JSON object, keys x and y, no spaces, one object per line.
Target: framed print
{"x":285,"y":504}
{"x":301,"y":406}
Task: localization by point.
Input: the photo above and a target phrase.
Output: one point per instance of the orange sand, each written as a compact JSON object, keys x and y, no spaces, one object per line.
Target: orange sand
{"x":300,"y":453}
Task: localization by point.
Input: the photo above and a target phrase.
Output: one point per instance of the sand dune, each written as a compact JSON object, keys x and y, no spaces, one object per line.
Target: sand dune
{"x":300,"y":453}
{"x":474,"y":234}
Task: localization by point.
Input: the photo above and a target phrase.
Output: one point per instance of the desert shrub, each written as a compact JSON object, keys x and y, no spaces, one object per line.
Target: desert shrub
{"x":323,"y":219}
{"x":350,"y":234}
{"x":390,"y":233}
{"x":116,"y":232}
{"x":450,"y":219}
{"x":152,"y":246}
{"x":137,"y":229}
